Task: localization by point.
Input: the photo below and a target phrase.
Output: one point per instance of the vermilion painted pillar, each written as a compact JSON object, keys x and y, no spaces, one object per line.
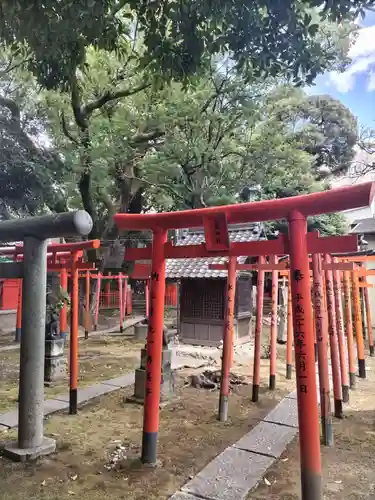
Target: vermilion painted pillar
{"x":64,"y":310}
{"x":19,"y":313}
{"x":125,"y":297}
{"x":74,"y":338}
{"x":87,"y":304}
{"x":147,"y":297}
{"x":289,"y":336}
{"x":97,"y":300}
{"x":227,"y":340}
{"x":154,"y":349}
{"x":273,"y":353}
{"x":258,"y":332}
{"x":340,"y":334}
{"x":335,"y":357}
{"x":358,"y":325}
{"x":308,"y":415}
{"x":369,"y":322}
{"x":349,"y":330}
{"x":321,"y":322}
{"x":121,"y":302}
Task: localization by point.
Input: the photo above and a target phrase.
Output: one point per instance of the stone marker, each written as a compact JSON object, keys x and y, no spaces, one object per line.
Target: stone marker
{"x":229,"y":476}
{"x":267,"y":439}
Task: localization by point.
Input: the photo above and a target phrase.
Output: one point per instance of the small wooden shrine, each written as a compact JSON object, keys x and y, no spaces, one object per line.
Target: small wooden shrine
{"x":202,"y":290}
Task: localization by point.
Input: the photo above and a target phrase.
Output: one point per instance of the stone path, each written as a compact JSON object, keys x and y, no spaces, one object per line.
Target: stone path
{"x":9,"y":420}
{"x":128,"y":323}
{"x":241,"y":467}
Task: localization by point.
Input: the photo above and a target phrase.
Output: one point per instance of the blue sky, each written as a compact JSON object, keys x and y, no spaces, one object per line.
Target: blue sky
{"x":356,"y":86}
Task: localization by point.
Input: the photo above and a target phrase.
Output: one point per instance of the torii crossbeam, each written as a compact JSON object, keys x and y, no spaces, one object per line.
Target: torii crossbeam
{"x":215,"y":221}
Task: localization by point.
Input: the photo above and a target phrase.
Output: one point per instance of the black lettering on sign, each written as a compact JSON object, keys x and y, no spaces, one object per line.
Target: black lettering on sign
{"x":303,"y":388}
{"x":230,"y":287}
{"x":298,"y":297}
{"x":149,"y":360}
{"x":155,"y":276}
{"x":300,"y":344}
{"x":217,"y":232}
{"x":299,"y":309}
{"x":297,"y":275}
{"x":302,"y":364}
{"x":148,"y":377}
{"x":300,"y":324}
{"x":148,"y":391}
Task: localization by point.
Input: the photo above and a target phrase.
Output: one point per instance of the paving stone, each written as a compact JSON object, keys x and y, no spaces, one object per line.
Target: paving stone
{"x":94,"y":391}
{"x":267,"y":439}
{"x":230,"y":476}
{"x":285,"y":413}
{"x":88,"y":393}
{"x":9,"y":419}
{"x":52,"y":405}
{"x":123,"y":381}
{"x":180,"y":495}
{"x":293,"y":395}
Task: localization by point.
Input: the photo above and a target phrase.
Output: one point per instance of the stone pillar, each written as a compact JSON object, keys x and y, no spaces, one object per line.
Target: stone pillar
{"x":54,"y":360}
{"x":167,"y":381}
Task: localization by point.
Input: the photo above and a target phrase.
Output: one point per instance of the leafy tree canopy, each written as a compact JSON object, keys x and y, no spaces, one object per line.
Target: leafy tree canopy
{"x":263,"y":37}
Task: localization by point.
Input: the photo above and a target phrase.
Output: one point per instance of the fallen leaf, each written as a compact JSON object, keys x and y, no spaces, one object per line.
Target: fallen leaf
{"x":73,"y":478}
{"x":284,"y":459}
{"x":43,"y":483}
{"x":338,"y":482}
{"x":71,"y":493}
{"x":267,"y":482}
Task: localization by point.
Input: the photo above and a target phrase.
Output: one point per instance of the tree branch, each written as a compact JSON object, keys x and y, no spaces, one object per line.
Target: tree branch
{"x":108,"y":96}
{"x":146,"y":136}
{"x":66,"y":130}
{"x":153,"y":184}
{"x":11,"y":67}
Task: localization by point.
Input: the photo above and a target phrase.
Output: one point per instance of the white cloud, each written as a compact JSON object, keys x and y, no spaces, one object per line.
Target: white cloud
{"x":364,"y":44}
{"x":362,"y":53}
{"x":371,"y":81}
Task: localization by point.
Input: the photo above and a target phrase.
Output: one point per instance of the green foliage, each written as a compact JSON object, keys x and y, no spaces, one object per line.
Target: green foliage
{"x":30,"y":171}
{"x":126,"y":109}
{"x":324,"y":126}
{"x":263,"y":38}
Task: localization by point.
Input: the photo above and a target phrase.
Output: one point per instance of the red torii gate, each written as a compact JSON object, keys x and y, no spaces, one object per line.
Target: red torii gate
{"x":60,"y":258}
{"x":215,"y":221}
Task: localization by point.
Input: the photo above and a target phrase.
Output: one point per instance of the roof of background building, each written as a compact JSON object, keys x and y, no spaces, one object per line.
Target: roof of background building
{"x":198,"y":268}
{"x":364,"y":226}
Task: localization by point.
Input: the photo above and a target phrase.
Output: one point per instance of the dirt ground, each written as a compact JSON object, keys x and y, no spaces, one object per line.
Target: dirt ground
{"x":348,"y":467}
{"x":190,"y":436}
{"x":100,"y":358}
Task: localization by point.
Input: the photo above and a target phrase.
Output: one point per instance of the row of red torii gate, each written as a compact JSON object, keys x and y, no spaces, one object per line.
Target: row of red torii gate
{"x":299,"y":245}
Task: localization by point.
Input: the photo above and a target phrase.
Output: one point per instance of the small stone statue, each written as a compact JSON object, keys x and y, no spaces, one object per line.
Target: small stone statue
{"x":167,"y":337}
{"x":56,"y":300}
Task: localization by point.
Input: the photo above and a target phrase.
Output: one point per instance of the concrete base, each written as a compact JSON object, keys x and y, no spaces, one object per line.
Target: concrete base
{"x":22,"y":455}
{"x":140,"y":332}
